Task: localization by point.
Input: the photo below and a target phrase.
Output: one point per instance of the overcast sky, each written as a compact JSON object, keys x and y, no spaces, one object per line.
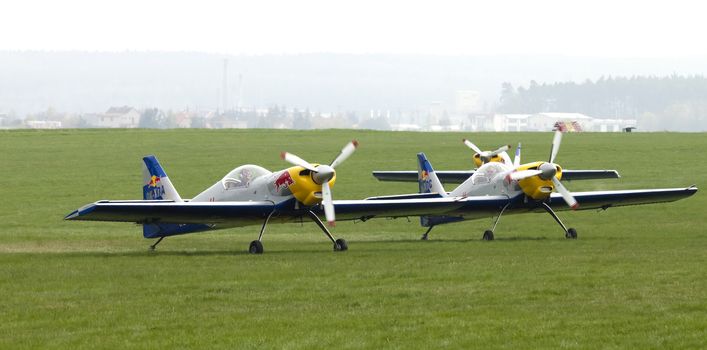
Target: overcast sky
{"x":596,"y":28}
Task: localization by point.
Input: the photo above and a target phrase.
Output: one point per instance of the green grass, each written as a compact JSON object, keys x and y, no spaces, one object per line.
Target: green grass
{"x":635,"y":278}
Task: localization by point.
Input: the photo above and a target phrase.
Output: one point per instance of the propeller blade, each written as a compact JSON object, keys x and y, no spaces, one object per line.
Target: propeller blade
{"x":346,"y":152}
{"x":516,"y":159}
{"x":328,"y":204}
{"x":523,"y":174}
{"x":555,"y":145}
{"x":566,"y":195}
{"x":472,"y":146}
{"x":506,"y":158}
{"x":501,"y":149}
{"x":293,"y":159}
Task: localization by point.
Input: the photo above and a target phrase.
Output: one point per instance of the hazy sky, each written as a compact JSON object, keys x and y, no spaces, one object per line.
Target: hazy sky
{"x":597,"y":28}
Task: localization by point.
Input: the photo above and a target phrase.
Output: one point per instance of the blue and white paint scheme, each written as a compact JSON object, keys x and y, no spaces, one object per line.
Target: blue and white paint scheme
{"x":252,"y":195}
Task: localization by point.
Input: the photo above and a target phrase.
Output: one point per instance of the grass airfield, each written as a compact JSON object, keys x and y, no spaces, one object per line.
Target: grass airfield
{"x":635,"y":278}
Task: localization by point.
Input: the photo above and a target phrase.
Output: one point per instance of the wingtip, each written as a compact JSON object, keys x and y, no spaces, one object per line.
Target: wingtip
{"x":575,"y":206}
{"x":283,"y":155}
{"x":355,"y":143}
{"x":331,"y":223}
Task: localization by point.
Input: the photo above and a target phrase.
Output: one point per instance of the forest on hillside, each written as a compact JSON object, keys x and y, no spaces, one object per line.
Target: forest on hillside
{"x":672,"y":102}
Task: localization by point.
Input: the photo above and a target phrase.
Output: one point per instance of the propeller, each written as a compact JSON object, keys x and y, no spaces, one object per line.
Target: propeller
{"x":550,"y":169}
{"x":555,"y":145}
{"x":566,"y":195}
{"x":523,"y":174}
{"x":545,"y":171}
{"x":322,"y":174}
{"x":485,"y":155}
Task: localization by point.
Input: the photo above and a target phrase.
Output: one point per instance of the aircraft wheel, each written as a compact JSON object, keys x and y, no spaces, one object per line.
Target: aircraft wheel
{"x":571,"y":234}
{"x":340,"y":245}
{"x":256,"y":247}
{"x":488,"y":235}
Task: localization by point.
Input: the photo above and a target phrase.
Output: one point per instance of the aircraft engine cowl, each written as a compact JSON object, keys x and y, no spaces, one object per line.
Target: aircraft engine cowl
{"x":540,"y":187}
{"x":305,"y":188}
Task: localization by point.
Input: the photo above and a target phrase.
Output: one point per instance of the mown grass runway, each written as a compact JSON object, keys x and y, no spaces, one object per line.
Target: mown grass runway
{"x":635,"y":278}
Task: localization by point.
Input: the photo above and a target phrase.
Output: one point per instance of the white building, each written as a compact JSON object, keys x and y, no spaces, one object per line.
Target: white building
{"x":115,"y":117}
{"x":547,"y":122}
{"x":43,"y":124}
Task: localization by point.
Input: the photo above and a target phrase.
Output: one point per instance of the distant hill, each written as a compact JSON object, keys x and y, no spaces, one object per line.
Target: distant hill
{"x":94,"y":81}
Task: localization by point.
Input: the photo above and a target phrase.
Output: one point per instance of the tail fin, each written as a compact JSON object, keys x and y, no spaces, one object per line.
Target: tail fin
{"x":426,"y":177}
{"x":429,"y":182}
{"x":156,"y":184}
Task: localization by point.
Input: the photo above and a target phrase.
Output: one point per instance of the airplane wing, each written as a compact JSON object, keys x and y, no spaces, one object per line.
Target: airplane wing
{"x":411,"y":176}
{"x":485,"y":206}
{"x":608,"y":199}
{"x":395,"y":207}
{"x":166,"y":211}
{"x":145,"y":211}
{"x":459,"y":176}
{"x":570,"y":175}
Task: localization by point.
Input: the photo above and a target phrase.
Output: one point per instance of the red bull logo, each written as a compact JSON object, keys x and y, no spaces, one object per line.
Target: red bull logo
{"x":153,"y":181}
{"x":284,"y":180}
{"x":425,"y":182}
{"x":153,"y":189}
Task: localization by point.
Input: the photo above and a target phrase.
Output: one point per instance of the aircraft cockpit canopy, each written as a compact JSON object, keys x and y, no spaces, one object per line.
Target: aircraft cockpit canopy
{"x":242,"y":176}
{"x":486,"y":173}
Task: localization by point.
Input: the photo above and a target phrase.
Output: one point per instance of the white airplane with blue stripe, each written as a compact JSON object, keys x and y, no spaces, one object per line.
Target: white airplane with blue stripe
{"x":252,"y":195}
{"x":509,"y":187}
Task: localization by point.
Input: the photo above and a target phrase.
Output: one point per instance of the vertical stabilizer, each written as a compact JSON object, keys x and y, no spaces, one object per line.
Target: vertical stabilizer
{"x":155,"y":183}
{"x":429,"y":183}
{"x":426,"y":177}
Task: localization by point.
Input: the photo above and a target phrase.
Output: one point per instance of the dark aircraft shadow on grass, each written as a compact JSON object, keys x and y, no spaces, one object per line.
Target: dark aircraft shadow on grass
{"x":454,"y":240}
{"x":356,"y":246}
{"x":184,"y":253}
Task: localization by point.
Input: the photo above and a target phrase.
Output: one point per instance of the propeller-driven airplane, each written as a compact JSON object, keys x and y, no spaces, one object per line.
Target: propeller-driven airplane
{"x":482,"y":157}
{"x":516,"y":188}
{"x":247,"y":195}
{"x":252,"y":195}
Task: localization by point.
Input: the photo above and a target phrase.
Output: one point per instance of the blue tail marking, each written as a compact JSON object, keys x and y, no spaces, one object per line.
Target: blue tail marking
{"x":152,"y":179}
{"x":424,"y":169}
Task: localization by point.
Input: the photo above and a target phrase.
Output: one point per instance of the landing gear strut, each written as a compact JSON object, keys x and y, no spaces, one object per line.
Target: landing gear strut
{"x":152,"y":247}
{"x":256,"y":247}
{"x":570,"y":233}
{"x":488,"y":234}
{"x":424,"y":236}
{"x":339,"y":244}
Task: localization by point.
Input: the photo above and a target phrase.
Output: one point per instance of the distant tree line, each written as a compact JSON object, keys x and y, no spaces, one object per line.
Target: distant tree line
{"x":673,"y":102}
